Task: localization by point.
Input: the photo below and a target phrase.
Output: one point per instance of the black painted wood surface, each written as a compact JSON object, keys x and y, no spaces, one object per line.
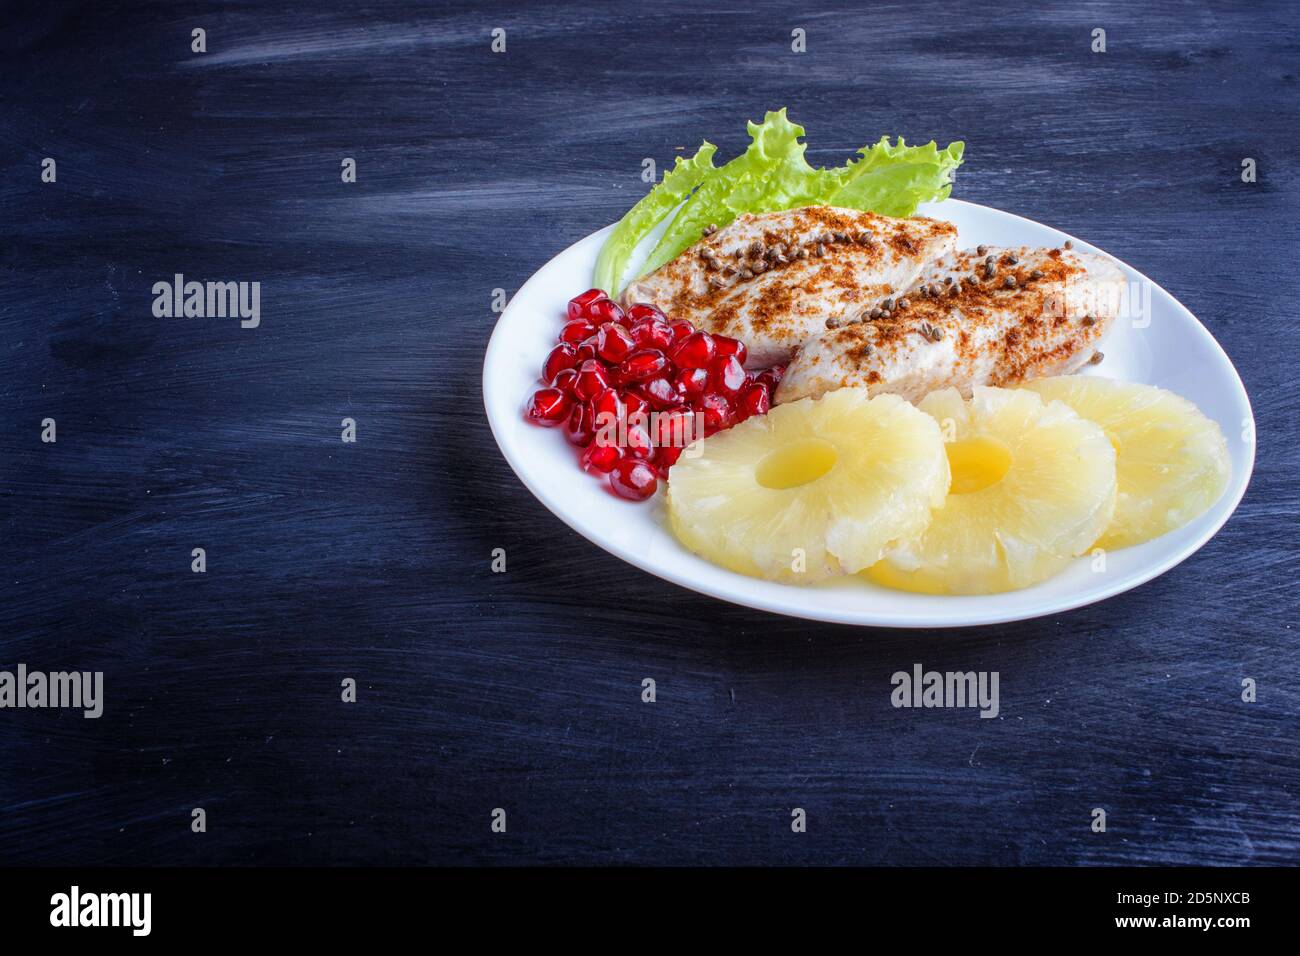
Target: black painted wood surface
{"x":371,"y":560}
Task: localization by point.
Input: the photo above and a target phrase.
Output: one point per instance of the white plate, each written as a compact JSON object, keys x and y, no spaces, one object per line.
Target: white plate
{"x":1173,"y":351}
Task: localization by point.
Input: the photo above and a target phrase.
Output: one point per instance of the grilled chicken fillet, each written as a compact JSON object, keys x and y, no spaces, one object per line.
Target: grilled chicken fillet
{"x":960,"y":328}
{"x":773,"y":279}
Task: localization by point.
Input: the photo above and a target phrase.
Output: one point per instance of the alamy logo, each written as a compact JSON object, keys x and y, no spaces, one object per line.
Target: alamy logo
{"x":77,"y":689}
{"x":951,"y":689}
{"x":75,"y":908}
{"x":208,"y":300}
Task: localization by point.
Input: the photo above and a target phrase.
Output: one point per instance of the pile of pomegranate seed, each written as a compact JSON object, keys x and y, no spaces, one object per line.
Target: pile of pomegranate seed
{"x":632,"y":389}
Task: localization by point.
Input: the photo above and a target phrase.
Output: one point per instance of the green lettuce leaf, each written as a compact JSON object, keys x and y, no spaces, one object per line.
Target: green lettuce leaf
{"x":642,"y":218}
{"x":894,"y":180}
{"x":772,"y":174}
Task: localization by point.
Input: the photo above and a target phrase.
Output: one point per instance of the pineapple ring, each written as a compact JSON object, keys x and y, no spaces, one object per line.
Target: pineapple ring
{"x":815,"y":488}
{"x":1172,"y":462}
{"x":1033,"y":486}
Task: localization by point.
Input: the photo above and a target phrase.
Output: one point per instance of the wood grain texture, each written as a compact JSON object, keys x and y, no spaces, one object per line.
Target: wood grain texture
{"x":522,"y":690}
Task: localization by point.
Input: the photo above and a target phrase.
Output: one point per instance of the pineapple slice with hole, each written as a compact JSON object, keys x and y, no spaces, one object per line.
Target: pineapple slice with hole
{"x":1033,"y":485}
{"x":1172,"y":462}
{"x":813,"y":489}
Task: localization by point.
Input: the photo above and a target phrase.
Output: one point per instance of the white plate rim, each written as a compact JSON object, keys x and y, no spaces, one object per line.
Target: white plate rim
{"x":1223,"y":509}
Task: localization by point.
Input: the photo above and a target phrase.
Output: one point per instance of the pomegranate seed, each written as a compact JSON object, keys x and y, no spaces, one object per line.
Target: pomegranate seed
{"x":726,"y":345}
{"x":691,"y":383}
{"x":562,"y":356}
{"x":756,"y":400}
{"x":665,"y":458}
{"x":579,"y":304}
{"x":717,"y":413}
{"x":694,"y":351}
{"x":727,"y":375}
{"x":586,"y":350}
{"x":653,"y":334}
{"x":681,"y":328}
{"x":614,"y":343}
{"x":644,"y":310}
{"x":638,"y":443}
{"x":772,"y":376}
{"x":607,"y":408}
{"x":642,"y":365}
{"x":601,"y":458}
{"x":578,"y":427}
{"x":548,"y":407}
{"x":577,"y":330}
{"x":659,"y":392}
{"x":604,"y":310}
{"x":636,"y":405}
{"x":591,"y":381}
{"x":634,"y":479}
{"x":675,"y":429}
{"x":564,"y":380}
{"x":591,"y":295}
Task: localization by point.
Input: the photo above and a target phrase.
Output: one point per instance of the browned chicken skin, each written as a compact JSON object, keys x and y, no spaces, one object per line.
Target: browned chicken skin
{"x":773,"y":279}
{"x":970,"y":319}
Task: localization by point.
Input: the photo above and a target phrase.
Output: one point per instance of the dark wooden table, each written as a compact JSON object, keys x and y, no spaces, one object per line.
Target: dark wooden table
{"x":371,"y":560}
